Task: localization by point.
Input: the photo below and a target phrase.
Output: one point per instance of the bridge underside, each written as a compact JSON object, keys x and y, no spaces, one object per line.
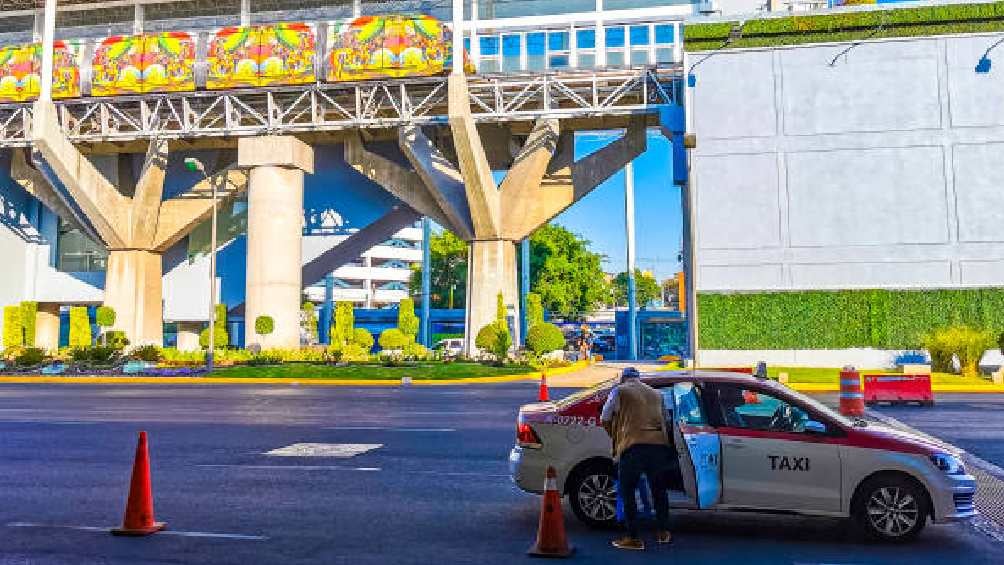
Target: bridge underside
{"x":450,"y":134}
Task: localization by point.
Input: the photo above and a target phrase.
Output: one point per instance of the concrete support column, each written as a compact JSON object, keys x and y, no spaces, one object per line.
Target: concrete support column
{"x":491,"y":268}
{"x":133,"y":289}
{"x":275,"y":234}
{"x":47,"y":326}
{"x":188,"y":336}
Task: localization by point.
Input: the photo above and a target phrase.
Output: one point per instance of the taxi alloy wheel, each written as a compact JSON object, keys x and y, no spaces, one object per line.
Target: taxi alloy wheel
{"x":594,"y":498}
{"x":892,"y":509}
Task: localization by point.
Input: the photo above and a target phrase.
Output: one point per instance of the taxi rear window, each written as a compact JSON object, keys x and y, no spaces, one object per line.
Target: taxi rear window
{"x":585,"y":393}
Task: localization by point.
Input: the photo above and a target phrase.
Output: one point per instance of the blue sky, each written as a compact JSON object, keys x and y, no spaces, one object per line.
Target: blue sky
{"x":599,"y":217}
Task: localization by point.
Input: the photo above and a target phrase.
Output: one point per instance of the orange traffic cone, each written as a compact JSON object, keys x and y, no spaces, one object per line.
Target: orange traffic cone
{"x":138,"y":520}
{"x":542,"y":395}
{"x":551,"y":539}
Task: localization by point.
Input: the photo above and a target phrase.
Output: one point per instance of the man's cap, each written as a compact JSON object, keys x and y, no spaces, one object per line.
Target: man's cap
{"x":630,"y":372}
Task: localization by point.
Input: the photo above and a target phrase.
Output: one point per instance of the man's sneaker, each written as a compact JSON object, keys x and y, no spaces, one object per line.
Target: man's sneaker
{"x":663,"y":536}
{"x":628,"y":542}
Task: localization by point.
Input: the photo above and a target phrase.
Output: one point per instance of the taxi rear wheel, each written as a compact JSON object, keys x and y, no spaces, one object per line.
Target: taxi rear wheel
{"x":891,"y":508}
{"x":592,"y":495}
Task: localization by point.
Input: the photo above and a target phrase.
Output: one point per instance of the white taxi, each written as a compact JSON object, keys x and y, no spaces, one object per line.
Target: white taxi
{"x":751,"y":444}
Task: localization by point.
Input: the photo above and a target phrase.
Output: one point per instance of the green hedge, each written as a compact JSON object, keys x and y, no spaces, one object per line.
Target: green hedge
{"x":849,"y":26}
{"x":887,"y":319}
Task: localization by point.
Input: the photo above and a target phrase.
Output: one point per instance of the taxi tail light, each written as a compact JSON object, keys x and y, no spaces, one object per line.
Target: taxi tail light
{"x":526,"y":436}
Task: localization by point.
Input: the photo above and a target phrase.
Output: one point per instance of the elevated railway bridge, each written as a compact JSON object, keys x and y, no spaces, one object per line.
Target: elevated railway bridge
{"x":527,"y":86}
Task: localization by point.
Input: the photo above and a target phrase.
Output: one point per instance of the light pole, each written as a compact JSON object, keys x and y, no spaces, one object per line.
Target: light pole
{"x":196,"y":166}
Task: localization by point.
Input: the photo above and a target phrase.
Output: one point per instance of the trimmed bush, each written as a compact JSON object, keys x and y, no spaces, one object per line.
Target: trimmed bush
{"x":393,"y":338}
{"x":544,"y":337}
{"x":116,"y":340}
{"x":966,"y":343}
{"x":29,"y":357}
{"x":407,"y":321}
{"x":848,"y":26}
{"x":104,"y":316}
{"x":534,"y":309}
{"x":342,"y":330}
{"x":98,"y":354}
{"x":148,"y":353}
{"x":13,"y":333}
{"x":356,"y":353}
{"x":495,"y":339}
{"x":29,"y":312}
{"x":264,"y":325}
{"x":885,"y":319}
{"x":80,"y":327}
{"x":309,"y":320}
{"x":363,"y":338}
{"x":221,"y":339}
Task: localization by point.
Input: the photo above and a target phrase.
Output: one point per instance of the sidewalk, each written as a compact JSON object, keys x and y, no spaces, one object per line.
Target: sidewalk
{"x":598,"y":372}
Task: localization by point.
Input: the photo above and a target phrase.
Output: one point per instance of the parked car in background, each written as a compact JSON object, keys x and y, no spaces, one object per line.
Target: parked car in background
{"x":451,"y":347}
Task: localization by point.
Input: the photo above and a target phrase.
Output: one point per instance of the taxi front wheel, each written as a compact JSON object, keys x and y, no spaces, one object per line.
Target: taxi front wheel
{"x":891,"y":508}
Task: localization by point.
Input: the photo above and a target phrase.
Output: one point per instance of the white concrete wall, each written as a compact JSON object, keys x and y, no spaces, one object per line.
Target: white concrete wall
{"x":862,"y":358}
{"x":884,"y":170}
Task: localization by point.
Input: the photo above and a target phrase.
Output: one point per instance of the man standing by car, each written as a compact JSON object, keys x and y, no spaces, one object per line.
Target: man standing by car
{"x":633,"y":416}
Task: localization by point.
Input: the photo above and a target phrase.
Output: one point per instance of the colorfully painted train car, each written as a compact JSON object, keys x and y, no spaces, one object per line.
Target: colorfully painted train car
{"x":283,"y":54}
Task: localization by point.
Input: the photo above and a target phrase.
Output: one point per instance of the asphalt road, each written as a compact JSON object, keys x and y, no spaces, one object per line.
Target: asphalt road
{"x":974,"y":422}
{"x":435,"y":491}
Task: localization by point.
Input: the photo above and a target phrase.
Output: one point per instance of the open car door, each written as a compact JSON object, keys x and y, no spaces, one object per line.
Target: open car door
{"x":697,"y":445}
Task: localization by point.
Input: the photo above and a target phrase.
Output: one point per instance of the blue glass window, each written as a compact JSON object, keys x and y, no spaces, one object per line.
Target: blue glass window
{"x":467,"y":44}
{"x":639,"y":35}
{"x":663,"y":34}
{"x":489,"y":45}
{"x":535,"y":43}
{"x":557,"y":41}
{"x":585,"y":38}
{"x":559,"y":61}
{"x":615,"y":37}
{"x":510,"y":46}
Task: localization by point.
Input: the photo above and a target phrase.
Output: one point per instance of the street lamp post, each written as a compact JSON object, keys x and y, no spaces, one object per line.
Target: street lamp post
{"x":196,"y":166}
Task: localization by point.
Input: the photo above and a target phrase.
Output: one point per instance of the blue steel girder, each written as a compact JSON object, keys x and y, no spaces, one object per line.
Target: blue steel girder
{"x":343,"y":106}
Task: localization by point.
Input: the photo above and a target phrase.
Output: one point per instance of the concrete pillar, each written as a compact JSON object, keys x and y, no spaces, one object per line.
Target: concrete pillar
{"x":491,"y":268}
{"x":188,"y":336}
{"x":275,"y":234}
{"x":47,"y":326}
{"x":134,"y":290}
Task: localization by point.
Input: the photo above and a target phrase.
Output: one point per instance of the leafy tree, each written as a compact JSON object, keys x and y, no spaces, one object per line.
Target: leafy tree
{"x":565,"y":273}
{"x":544,"y":337}
{"x":407,"y":321}
{"x":363,"y":338}
{"x":647,"y":288}
{"x":448,"y":254}
{"x":500,"y":311}
{"x":534,"y":309}
{"x":264,"y":325}
{"x":342,"y":330}
{"x":309,"y":320}
{"x":80,"y":327}
{"x":29,"y":311}
{"x":393,"y":338}
{"x":104,"y":316}
{"x":13,"y":335}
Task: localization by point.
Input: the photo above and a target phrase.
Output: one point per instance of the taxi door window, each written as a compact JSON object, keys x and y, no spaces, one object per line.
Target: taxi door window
{"x":688,"y":399}
{"x":738,"y":407}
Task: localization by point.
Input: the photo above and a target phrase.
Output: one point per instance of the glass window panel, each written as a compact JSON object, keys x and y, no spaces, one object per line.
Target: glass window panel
{"x":535,"y":43}
{"x":510,"y":45}
{"x":467,"y":47}
{"x":615,"y":37}
{"x":585,"y":38}
{"x":586,"y":61}
{"x":558,"y":61}
{"x":664,"y":34}
{"x":664,"y":55}
{"x":639,"y":57}
{"x":489,"y":45}
{"x":639,"y":35}
{"x":557,"y":41}
{"x":615,"y":58}
{"x":489,"y":66}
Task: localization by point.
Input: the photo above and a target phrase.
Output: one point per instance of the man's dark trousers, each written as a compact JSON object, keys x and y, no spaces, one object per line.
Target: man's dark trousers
{"x":654,"y":461}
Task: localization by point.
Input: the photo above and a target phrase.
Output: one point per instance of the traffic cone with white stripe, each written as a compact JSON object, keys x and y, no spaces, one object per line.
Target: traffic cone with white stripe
{"x":551,"y":539}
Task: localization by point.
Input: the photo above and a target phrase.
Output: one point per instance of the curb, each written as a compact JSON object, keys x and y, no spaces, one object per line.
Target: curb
{"x":96,"y":380}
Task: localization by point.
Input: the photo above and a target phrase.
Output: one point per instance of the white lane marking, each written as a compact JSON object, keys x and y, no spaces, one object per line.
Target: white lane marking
{"x":293,"y":467}
{"x":385,"y":429}
{"x":162,"y":532}
{"x":342,"y":450}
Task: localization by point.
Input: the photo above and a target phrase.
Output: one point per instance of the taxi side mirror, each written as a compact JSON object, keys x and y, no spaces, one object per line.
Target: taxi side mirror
{"x":814,"y":427}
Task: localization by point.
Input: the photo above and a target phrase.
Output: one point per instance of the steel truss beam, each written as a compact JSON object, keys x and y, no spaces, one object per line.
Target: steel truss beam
{"x":329,"y":107}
